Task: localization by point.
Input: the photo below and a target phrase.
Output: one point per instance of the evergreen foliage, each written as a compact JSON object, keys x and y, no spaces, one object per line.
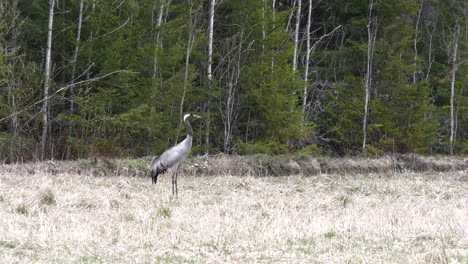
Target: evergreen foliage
{"x":139,"y":63}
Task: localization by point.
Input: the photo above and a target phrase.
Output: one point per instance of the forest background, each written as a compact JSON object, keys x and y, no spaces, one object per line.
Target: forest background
{"x":87,"y":78}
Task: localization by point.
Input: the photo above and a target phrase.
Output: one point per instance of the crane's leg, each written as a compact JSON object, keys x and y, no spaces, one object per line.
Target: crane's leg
{"x":176,"y":189}
{"x":173,"y":183}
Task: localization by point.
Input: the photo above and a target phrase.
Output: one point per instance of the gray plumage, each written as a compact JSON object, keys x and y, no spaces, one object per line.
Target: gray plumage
{"x":173,"y":157}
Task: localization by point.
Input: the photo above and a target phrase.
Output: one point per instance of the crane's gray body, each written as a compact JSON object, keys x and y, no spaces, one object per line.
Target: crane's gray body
{"x":173,"y":157}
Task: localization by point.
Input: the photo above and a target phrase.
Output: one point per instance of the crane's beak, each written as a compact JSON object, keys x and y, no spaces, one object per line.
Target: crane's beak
{"x":197,"y":116}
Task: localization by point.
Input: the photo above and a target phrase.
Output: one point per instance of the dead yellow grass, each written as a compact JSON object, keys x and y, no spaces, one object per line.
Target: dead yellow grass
{"x":71,"y":218}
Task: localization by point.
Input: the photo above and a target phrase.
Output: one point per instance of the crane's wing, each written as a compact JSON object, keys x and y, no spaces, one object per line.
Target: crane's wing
{"x":173,"y":156}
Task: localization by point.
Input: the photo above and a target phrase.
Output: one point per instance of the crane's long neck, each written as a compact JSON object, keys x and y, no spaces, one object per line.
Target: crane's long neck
{"x":189,"y":128}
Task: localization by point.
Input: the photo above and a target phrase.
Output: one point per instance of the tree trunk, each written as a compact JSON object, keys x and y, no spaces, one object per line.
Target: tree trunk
{"x":430,"y":58}
{"x":290,"y":16}
{"x":430,"y":16}
{"x":158,"y":43}
{"x":415,"y":43}
{"x":263,"y":27}
{"x":306,"y":66}
{"x":210,"y":77}
{"x":456,"y":36}
{"x":48,"y":59}
{"x":273,"y":14}
{"x":296,"y":35}
{"x":190,"y":41}
{"x":371,"y":36}
{"x":12,"y":84}
{"x":210,"y":41}
{"x":72,"y":87}
{"x":75,"y":57}
{"x":91,"y":37}
{"x":233,"y":80}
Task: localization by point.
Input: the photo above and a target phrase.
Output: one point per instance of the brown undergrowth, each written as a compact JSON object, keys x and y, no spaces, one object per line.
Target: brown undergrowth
{"x":254,"y":165}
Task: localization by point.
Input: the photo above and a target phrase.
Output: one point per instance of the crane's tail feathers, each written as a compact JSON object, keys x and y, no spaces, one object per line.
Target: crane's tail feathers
{"x":154,"y":175}
{"x":155,"y":172}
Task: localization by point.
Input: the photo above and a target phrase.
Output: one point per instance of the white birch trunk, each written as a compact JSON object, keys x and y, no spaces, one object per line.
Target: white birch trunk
{"x":263,"y":28}
{"x":209,"y":73}
{"x":75,"y":58}
{"x":273,"y":11}
{"x":233,"y":80}
{"x":371,"y":36}
{"x":210,"y":40}
{"x":452,"y":89}
{"x":429,"y":56}
{"x":12,"y":84}
{"x":158,"y":43}
{"x":48,"y":63}
{"x":306,"y":68}
{"x":290,"y":17}
{"x":190,"y":41}
{"x":91,"y":37}
{"x":415,"y":43}
{"x":296,"y":35}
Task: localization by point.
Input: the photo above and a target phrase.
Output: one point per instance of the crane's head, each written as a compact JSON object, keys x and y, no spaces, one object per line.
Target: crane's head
{"x":190,"y":115}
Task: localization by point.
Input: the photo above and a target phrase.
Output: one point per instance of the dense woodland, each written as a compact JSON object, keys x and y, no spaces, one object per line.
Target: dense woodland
{"x":87,"y":78}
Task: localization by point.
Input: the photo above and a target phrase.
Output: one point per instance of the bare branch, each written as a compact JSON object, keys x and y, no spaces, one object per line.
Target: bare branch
{"x":322,"y":37}
{"x":64,"y":88}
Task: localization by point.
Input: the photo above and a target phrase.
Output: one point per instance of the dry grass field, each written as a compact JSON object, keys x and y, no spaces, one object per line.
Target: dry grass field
{"x":50,"y":217}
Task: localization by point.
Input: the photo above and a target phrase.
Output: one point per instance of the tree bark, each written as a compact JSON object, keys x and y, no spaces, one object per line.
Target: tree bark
{"x":75,"y":58}
{"x":273,"y":14}
{"x":158,"y":42}
{"x":456,"y":36}
{"x":430,"y":58}
{"x":190,"y":41}
{"x":296,"y":35}
{"x":371,"y":37}
{"x":209,"y":73}
{"x":12,"y":84}
{"x":306,"y":66}
{"x":415,"y":43}
{"x":48,"y":62}
{"x":229,"y":118}
{"x":263,"y":27}
{"x":210,"y":40}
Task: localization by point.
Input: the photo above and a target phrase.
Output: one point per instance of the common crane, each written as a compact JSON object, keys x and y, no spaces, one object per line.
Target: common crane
{"x":172,"y":157}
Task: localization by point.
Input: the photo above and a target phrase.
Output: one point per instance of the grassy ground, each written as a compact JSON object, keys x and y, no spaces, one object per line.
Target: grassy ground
{"x":72,"y":218}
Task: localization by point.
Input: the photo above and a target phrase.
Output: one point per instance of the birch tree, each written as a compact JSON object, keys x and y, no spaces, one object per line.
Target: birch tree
{"x":229,"y":107}
{"x":371,"y":37}
{"x":307,"y":59}
{"x":73,"y":62}
{"x":47,"y":81}
{"x":415,"y":41}
{"x":263,"y":27}
{"x":190,"y":42}
{"x":296,"y":35}
{"x":158,"y":42}
{"x":210,"y":40}
{"x":75,"y":56}
{"x":430,"y":57}
{"x":453,"y":125}
{"x":9,"y":26}
{"x":209,"y":72}
{"x":273,"y":14}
